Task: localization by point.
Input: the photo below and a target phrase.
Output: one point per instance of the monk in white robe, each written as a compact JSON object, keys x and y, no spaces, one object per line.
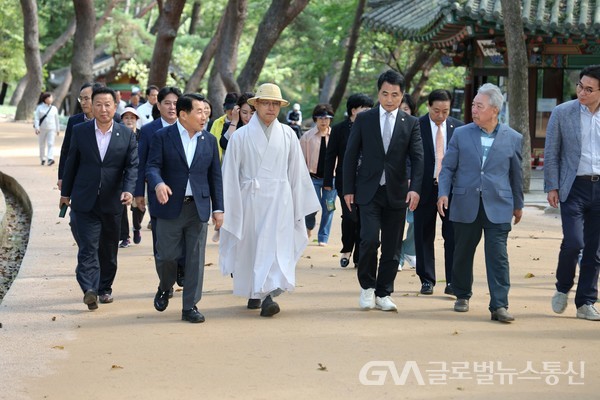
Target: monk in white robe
{"x":267,"y":193}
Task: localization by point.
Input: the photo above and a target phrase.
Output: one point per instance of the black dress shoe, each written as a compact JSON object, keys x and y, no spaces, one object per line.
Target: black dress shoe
{"x":501,"y":314}
{"x":269,"y":307}
{"x":171,"y":291}
{"x":91,"y":299}
{"x":180,"y":275}
{"x":449,"y":289}
{"x":254,"y":304}
{"x":161,"y":300}
{"x":194,"y":316}
{"x":461,"y":305}
{"x":426,"y":288}
{"x":344,"y":262}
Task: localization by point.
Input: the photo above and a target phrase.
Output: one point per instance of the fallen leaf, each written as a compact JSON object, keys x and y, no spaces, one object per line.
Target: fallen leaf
{"x":115,"y":366}
{"x":322,"y":367}
{"x":53,"y":318}
{"x":529,"y":275}
{"x":332,"y":276}
{"x":460,"y":388}
{"x":208,"y":264}
{"x":58,"y":347}
{"x":455,"y":333}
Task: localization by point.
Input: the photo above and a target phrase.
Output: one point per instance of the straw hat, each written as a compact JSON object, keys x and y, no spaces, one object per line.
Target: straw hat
{"x":268,"y":91}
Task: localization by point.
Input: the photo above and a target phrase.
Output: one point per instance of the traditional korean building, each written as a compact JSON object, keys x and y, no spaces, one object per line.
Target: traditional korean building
{"x":562,"y":37}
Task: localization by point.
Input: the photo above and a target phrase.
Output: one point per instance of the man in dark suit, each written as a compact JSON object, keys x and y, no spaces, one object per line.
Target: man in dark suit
{"x":436,"y":130}
{"x":334,"y":160}
{"x":166,"y":104}
{"x":185,"y":171}
{"x":382,"y":139}
{"x":85,"y":102}
{"x":482,"y":168}
{"x":98,"y":180}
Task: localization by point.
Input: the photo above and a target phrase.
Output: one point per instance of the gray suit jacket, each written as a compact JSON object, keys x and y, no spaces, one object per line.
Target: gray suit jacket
{"x":563,"y":148}
{"x":499,"y":182}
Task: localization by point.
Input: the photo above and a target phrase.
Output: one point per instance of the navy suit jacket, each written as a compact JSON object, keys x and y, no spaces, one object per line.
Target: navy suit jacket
{"x":167,"y":163}
{"x":64,"y":149}
{"x":429,"y":152}
{"x":365,"y":141}
{"x":87,"y":179}
{"x":147,"y":134}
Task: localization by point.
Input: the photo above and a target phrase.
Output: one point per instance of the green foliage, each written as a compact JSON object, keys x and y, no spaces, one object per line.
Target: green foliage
{"x":12,"y":60}
{"x":134,"y":69}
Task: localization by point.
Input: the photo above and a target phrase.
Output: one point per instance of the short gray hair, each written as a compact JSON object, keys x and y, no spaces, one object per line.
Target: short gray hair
{"x":494,"y":93}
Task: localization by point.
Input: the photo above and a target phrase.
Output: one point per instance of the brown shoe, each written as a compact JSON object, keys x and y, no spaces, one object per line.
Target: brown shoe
{"x":91,"y":299}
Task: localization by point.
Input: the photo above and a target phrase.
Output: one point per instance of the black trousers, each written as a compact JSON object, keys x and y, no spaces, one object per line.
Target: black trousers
{"x":425,"y":222}
{"x":350,"y":230}
{"x":98,"y":240}
{"x":137,"y":216}
{"x":377,"y":217}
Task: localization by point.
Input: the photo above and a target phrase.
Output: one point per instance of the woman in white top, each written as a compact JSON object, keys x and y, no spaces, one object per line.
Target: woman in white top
{"x":47,"y":126}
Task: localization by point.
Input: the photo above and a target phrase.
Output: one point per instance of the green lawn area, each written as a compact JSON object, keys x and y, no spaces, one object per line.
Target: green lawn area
{"x":8,"y":110}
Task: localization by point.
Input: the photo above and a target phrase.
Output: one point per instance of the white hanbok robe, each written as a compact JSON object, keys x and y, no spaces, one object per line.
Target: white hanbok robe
{"x":267,"y":193}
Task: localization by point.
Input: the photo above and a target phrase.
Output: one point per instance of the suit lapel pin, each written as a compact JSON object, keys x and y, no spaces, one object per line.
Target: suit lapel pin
{"x":117,"y":133}
{"x":202,"y":137}
{"x":402,"y":119}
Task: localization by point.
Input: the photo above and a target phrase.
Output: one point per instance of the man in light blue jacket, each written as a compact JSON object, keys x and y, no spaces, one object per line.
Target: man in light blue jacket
{"x":572,"y":177}
{"x":483,"y":167}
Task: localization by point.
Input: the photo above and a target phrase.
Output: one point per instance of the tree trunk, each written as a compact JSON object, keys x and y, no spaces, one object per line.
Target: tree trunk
{"x":426,"y":67}
{"x":340,"y":89}
{"x":33,"y":61}
{"x":195,"y":19}
{"x":18,"y":92}
{"x":279,"y":15}
{"x":225,"y":60}
{"x":518,"y":100}
{"x":193,"y":83}
{"x":58,"y":44}
{"x":62,"y":91}
{"x":167,"y":25}
{"x":82,"y":63}
{"x":329,"y":82}
{"x":3,"y":92}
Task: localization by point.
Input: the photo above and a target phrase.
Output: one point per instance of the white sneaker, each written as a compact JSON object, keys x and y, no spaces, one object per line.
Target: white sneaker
{"x":385,"y":304}
{"x":559,"y":302}
{"x":367,"y":299}
{"x":589,"y":312}
{"x":411,"y":260}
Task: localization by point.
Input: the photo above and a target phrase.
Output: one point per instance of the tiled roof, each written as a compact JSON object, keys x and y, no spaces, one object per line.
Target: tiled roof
{"x":445,"y":20}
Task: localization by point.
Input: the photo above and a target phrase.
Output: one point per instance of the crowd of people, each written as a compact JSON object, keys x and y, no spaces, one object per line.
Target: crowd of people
{"x":262,"y":183}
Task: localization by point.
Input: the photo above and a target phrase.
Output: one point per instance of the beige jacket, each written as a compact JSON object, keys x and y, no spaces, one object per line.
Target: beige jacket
{"x":310,"y":143}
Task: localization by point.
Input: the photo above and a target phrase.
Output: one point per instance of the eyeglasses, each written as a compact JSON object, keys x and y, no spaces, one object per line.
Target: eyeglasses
{"x":587,"y":90}
{"x":84,"y":98}
{"x":267,"y":103}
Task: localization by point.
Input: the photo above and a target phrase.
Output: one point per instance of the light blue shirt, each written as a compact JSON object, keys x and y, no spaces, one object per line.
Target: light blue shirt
{"x":189,"y":147}
{"x":589,"y":163}
{"x":487,"y":140}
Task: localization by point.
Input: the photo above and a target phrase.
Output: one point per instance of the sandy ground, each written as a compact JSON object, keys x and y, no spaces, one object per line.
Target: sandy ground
{"x":321,"y":346}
